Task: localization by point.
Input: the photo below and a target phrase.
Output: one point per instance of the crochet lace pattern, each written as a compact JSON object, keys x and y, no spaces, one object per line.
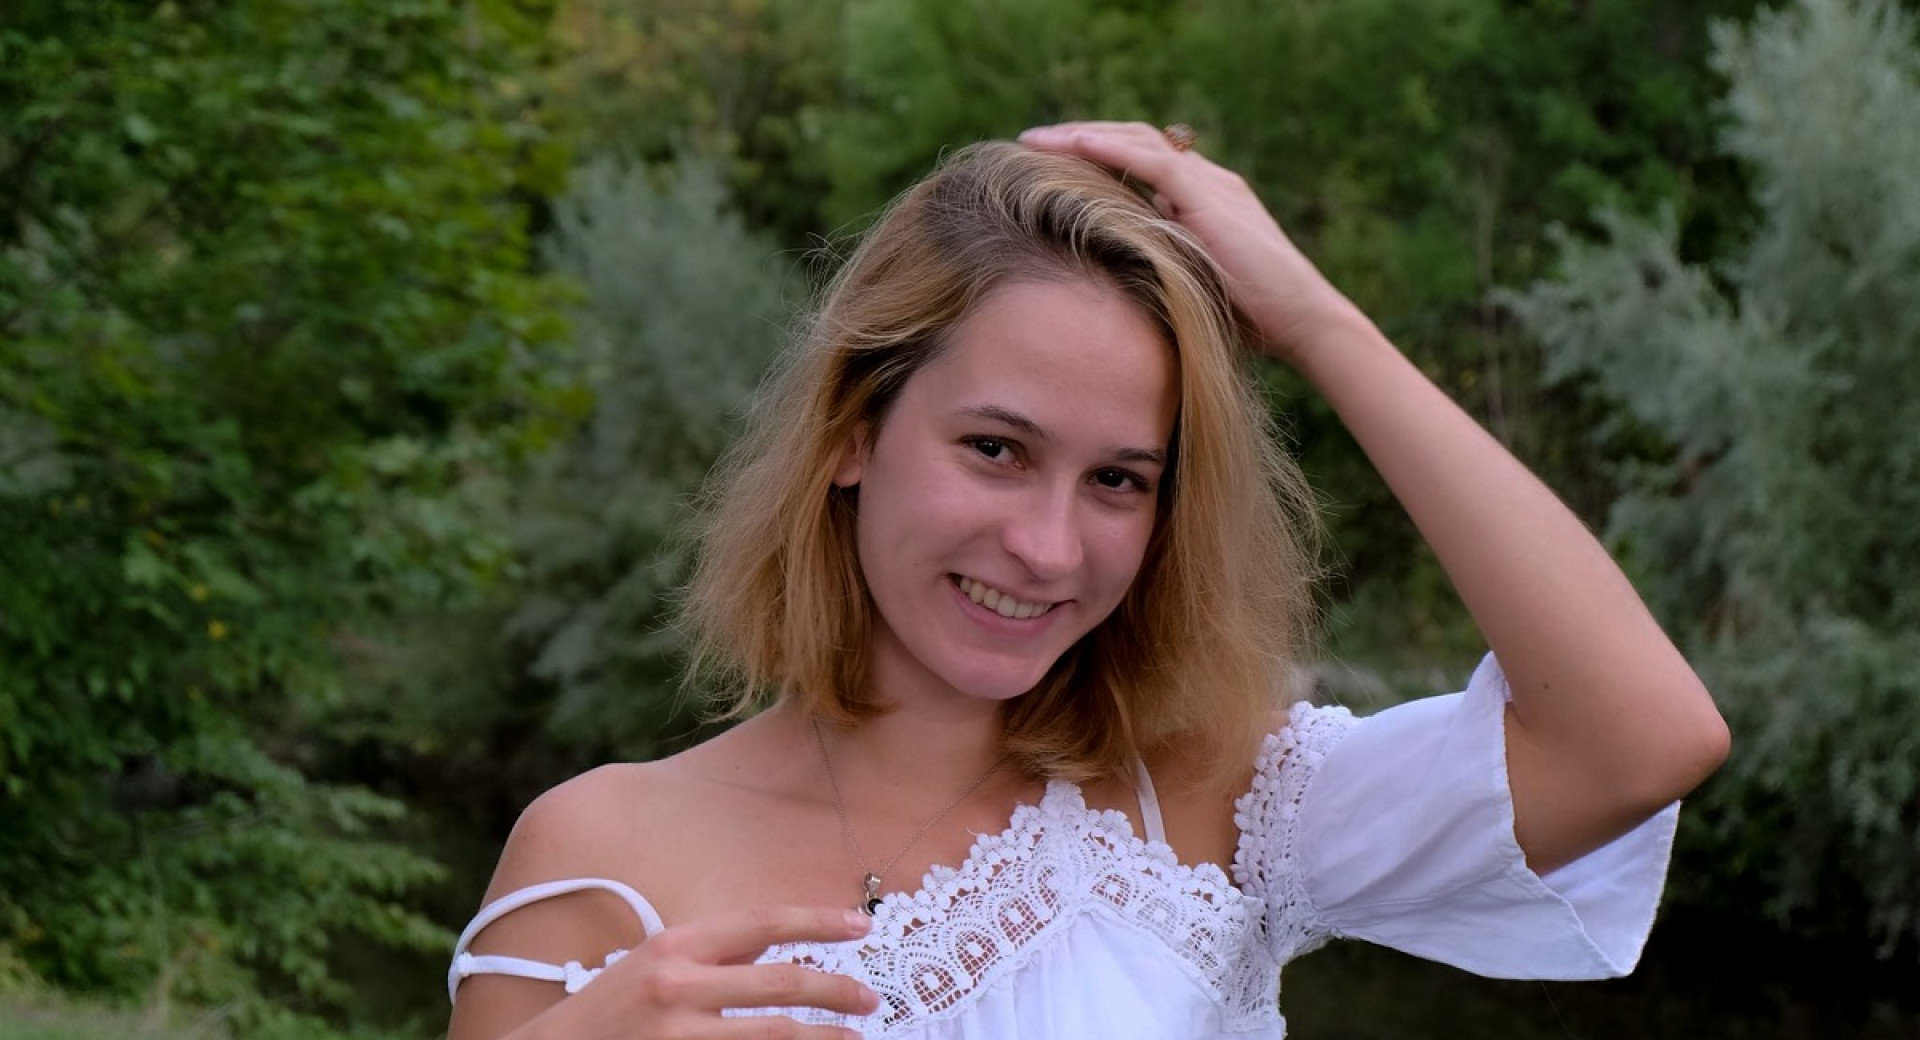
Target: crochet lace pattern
{"x":970,"y":928}
{"x":1266,"y":864}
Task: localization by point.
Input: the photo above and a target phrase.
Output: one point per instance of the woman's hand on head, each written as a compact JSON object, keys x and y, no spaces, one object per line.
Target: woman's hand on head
{"x":1274,"y":285}
{"x":676,"y":984}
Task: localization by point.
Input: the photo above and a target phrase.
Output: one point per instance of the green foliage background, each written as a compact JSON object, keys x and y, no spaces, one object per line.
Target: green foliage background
{"x":272,"y":344}
{"x":357,"y":360}
{"x":1776,"y":527}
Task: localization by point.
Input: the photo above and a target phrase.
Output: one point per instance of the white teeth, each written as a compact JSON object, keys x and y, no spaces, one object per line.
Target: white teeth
{"x":1000,"y":603}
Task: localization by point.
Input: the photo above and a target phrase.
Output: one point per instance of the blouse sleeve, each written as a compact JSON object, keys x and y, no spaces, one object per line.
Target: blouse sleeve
{"x":1402,"y":834}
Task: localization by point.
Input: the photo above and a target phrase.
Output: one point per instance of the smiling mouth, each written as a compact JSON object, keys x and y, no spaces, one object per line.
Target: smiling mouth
{"x":999,"y":602}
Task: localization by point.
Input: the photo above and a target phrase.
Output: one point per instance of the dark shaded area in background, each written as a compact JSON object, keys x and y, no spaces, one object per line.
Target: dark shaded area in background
{"x":1714,"y":979}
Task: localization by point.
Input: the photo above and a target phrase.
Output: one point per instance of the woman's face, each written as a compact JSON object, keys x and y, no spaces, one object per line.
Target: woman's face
{"x":1007,"y":498}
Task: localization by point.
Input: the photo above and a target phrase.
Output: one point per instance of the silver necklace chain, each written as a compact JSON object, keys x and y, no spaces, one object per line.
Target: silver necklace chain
{"x":870,"y":881}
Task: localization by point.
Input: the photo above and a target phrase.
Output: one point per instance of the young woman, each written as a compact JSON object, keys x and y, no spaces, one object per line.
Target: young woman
{"x":1012,"y":561}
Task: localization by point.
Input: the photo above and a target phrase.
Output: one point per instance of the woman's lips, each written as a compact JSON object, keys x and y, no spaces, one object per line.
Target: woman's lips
{"x":1000,"y":602}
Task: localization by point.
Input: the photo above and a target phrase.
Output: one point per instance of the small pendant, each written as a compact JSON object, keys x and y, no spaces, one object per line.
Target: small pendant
{"x":871,"y":883}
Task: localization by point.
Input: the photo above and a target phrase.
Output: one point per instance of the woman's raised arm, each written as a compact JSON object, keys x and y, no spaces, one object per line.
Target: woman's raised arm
{"x":1608,"y":722}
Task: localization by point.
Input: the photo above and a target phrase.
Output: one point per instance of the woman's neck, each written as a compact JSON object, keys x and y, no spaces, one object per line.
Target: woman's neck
{"x":917,"y":747}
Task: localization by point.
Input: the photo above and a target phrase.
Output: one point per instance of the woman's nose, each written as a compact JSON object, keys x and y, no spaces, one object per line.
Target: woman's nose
{"x":1044,"y":532}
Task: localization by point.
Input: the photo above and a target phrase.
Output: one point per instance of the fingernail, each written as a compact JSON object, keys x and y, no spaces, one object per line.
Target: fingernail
{"x":858,"y":923}
{"x":1038,"y":131}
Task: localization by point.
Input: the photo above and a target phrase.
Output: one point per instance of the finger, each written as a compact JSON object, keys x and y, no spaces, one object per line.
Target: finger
{"x":785,"y":986}
{"x":778,"y":1027}
{"x":1137,"y":149}
{"x":1134,"y":129}
{"x":744,"y":934}
{"x":1113,"y":144}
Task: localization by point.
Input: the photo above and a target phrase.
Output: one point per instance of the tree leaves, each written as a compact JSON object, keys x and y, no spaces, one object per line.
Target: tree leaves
{"x":1775,"y":530}
{"x":269,"y":345}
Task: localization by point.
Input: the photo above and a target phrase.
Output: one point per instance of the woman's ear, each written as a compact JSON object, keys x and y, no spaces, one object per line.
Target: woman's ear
{"x":853,"y":457}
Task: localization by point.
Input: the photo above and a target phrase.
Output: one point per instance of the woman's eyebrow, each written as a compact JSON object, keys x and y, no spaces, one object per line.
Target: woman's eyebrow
{"x":1014,"y":420}
{"x":1007,"y":417}
{"x":1153,"y":456}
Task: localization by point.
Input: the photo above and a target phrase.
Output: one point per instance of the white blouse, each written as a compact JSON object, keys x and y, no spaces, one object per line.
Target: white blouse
{"x":1396,"y":828}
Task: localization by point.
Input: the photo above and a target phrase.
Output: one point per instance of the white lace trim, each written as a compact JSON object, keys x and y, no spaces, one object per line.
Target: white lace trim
{"x":1266,"y":865}
{"x":935,"y":951}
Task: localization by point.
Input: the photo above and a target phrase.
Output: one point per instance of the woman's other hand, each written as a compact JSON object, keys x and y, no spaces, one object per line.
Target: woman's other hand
{"x":677,"y":983}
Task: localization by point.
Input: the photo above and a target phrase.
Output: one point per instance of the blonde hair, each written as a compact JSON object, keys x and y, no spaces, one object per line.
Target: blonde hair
{"x":1196,"y":650}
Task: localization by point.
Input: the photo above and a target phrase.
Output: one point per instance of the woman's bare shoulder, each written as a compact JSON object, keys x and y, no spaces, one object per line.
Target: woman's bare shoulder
{"x":579,"y":828}
{"x":1206,"y":773}
{"x":1197,"y":797}
{"x":607,"y":822}
{"x":582,"y":830}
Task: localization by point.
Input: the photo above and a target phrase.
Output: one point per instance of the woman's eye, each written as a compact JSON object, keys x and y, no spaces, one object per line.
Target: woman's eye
{"x":1119,"y":480}
{"x":990,"y":447}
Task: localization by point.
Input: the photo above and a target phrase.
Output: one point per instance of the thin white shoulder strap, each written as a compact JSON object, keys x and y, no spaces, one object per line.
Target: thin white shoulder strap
{"x":571,"y":974}
{"x":1149,"y":803}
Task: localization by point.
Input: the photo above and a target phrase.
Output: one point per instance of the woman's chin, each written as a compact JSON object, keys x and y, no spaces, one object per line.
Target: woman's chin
{"x":1000,"y":685}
